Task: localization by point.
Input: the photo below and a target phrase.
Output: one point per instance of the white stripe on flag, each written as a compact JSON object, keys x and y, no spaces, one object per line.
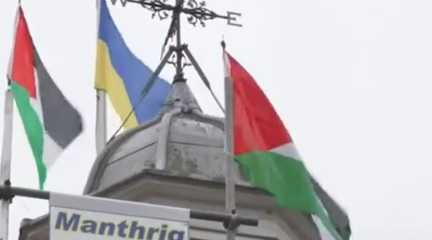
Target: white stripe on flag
{"x":288,"y":150}
{"x":324,"y":233}
{"x":51,"y":150}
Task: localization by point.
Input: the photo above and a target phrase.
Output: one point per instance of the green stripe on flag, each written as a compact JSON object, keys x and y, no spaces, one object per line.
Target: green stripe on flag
{"x":287,"y":179}
{"x":33,"y":128}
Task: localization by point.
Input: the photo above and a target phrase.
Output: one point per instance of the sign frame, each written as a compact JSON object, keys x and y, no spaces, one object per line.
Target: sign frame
{"x":75,"y":217}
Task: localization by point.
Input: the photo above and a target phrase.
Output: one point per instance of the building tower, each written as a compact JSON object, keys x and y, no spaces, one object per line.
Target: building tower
{"x":178,"y":160}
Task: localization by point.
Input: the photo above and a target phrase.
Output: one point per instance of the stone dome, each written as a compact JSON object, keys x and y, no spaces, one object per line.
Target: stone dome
{"x":178,"y":160}
{"x":182,"y":141}
{"x":186,"y":148}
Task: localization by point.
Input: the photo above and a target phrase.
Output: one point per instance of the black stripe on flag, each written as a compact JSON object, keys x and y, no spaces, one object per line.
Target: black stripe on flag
{"x":338,"y":217}
{"x":62,"y":121}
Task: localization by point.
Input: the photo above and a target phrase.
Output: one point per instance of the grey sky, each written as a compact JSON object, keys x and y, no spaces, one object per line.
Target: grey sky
{"x":350,"y":79}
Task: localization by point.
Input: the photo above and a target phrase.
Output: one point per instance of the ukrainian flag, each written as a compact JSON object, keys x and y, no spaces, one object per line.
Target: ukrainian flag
{"x":123,"y":76}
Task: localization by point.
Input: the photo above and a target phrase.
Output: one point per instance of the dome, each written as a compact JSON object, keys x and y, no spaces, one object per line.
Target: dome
{"x":178,"y":160}
{"x":182,"y":141}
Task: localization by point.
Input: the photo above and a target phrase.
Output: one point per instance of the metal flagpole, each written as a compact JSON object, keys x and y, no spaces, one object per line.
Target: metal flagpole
{"x":101,"y":130}
{"x":230,"y":203}
{"x":5,"y":166}
{"x":6,"y":155}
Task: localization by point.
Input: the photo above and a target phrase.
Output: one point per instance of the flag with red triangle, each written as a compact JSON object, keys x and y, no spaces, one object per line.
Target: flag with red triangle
{"x":266,"y":153}
{"x":51,"y":123}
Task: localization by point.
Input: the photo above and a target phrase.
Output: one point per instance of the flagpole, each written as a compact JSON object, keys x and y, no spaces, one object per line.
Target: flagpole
{"x":101,"y":132}
{"x":230,"y":202}
{"x":6,"y":154}
{"x":5,"y":166}
{"x":101,"y":119}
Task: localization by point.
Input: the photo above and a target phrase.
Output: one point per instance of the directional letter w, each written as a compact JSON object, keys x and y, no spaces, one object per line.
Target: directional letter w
{"x":123,"y":2}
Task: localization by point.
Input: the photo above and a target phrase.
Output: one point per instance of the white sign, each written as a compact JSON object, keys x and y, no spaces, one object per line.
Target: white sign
{"x":89,"y":218}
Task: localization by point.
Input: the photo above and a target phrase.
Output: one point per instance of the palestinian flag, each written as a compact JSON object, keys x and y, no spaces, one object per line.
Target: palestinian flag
{"x":266,"y":153}
{"x":50,"y":121}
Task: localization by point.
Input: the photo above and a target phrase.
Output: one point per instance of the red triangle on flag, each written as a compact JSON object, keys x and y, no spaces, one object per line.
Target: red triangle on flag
{"x":22,"y":68}
{"x":257,"y":126}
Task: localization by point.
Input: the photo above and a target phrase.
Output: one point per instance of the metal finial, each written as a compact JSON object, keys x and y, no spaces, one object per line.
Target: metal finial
{"x":223,"y":44}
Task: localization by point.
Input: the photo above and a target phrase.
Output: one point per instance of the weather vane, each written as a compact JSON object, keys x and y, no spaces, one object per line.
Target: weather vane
{"x":196,"y":10}
{"x":197,"y":15}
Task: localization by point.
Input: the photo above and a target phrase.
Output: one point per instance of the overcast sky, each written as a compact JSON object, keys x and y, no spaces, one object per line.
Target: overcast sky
{"x":350,"y":79}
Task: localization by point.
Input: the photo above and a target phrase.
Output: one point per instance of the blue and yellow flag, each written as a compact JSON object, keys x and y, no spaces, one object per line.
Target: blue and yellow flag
{"x":123,"y":76}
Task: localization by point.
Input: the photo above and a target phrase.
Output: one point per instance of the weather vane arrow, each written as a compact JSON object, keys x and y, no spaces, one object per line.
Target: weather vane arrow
{"x":196,"y":10}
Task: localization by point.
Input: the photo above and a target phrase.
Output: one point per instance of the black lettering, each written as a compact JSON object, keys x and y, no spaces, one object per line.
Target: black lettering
{"x":64,"y":224}
{"x":88,"y":226}
{"x":106,"y":226}
{"x":134,"y":228}
{"x":151,"y":232}
{"x":176,"y":235}
{"x":163,"y":232}
{"x":122,"y":229}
